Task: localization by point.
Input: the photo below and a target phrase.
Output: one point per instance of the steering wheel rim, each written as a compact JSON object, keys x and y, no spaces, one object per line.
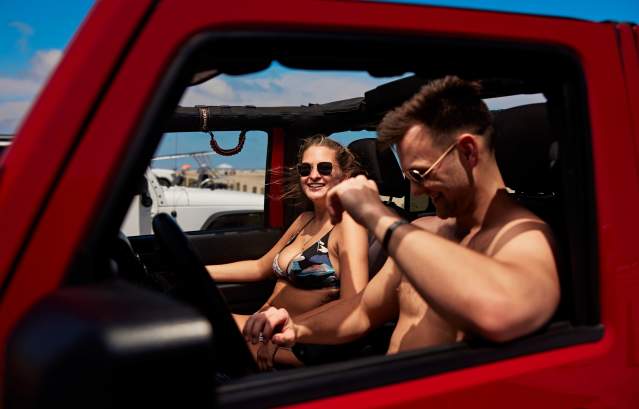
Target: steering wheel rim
{"x":197,"y":288}
{"x":129,"y":265}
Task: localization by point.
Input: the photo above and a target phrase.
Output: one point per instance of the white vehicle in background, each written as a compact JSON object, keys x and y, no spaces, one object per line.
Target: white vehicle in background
{"x":166,"y":177}
{"x":193,"y":208}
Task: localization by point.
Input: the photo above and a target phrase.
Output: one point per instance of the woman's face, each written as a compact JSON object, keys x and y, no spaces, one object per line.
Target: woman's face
{"x":317,"y":183}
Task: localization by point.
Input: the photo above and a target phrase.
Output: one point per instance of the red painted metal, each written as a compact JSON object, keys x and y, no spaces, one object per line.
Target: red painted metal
{"x":630,"y":61}
{"x":275,"y":190}
{"x":43,"y":144}
{"x":84,"y":149}
{"x":48,"y":136}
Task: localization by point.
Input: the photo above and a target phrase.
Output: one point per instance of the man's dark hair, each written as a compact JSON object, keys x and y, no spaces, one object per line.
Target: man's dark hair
{"x":445,"y":106}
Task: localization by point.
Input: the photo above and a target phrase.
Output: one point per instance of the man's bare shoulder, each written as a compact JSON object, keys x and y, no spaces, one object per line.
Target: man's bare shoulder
{"x":435,"y":225}
{"x":520,"y":227}
{"x":518,"y":215}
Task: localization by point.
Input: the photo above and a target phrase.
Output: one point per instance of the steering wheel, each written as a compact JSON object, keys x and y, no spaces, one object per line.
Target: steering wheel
{"x":196,"y":287}
{"x":130,"y":267}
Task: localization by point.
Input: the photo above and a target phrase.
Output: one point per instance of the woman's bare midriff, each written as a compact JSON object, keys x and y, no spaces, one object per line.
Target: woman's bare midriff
{"x":298,"y":301}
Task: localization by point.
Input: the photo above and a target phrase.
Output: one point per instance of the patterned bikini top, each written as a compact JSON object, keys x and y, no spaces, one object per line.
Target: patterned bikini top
{"x":310,"y":269}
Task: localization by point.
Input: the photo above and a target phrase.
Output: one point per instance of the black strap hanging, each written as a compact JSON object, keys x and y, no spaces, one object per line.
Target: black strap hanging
{"x":228,"y":152}
{"x":204,"y":123}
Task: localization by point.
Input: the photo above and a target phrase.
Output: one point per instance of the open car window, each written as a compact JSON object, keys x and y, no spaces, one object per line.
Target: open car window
{"x":201,"y":189}
{"x":543,"y":149}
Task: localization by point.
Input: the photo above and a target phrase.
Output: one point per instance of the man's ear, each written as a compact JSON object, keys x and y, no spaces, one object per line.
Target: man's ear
{"x":468,"y":149}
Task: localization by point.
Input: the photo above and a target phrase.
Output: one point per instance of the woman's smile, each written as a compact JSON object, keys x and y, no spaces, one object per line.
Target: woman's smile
{"x":314,"y":186}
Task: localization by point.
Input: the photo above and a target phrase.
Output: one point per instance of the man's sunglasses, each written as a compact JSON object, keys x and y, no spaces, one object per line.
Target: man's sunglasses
{"x":419,"y":177}
{"x":323,"y":168}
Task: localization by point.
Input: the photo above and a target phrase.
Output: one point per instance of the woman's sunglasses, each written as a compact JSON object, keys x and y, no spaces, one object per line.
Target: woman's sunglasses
{"x":323,"y":168}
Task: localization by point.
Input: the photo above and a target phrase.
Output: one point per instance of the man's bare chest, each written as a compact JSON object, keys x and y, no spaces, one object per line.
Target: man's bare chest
{"x":418,"y":326}
{"x":411,"y":304}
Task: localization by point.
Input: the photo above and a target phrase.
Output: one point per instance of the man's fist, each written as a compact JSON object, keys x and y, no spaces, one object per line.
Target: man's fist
{"x":358,"y":196}
{"x":273,"y":324}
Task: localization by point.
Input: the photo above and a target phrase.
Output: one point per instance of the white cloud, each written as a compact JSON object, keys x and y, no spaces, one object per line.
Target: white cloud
{"x":514,"y":100}
{"x":27,"y":83}
{"x":213,"y":90}
{"x":25,"y":31}
{"x":43,"y":62}
{"x":18,"y":91}
{"x":289,"y":89}
{"x":11,"y":113}
{"x":18,"y":87}
{"x":301,"y":88}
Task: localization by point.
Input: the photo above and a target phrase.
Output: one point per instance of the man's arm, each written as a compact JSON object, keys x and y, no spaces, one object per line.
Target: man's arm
{"x":342,"y":321}
{"x":500,"y":297}
{"x":352,"y":250}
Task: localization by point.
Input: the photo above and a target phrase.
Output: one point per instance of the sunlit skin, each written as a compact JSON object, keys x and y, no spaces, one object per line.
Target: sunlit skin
{"x":483,"y":266}
{"x":315,"y":185}
{"x":347,"y":250}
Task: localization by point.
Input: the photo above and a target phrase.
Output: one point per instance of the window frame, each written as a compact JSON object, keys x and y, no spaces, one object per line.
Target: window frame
{"x":318,"y":382}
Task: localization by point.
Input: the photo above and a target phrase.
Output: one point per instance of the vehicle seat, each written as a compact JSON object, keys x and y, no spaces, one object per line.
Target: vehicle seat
{"x":382,"y":167}
{"x":528,"y":156}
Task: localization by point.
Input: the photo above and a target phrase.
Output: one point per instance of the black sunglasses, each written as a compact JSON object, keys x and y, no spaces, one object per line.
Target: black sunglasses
{"x":323,"y":168}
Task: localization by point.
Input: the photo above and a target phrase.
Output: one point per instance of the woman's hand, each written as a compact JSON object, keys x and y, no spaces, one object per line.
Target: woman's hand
{"x":272,"y":324}
{"x":266,"y":356}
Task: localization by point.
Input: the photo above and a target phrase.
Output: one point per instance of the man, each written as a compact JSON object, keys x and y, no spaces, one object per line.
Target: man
{"x":485,"y":266}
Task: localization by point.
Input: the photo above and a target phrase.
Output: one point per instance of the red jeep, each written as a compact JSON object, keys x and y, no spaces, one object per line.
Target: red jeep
{"x":80,"y":323}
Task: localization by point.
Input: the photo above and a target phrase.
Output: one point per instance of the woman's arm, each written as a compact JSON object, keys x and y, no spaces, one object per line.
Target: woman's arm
{"x":255,"y":270}
{"x":352,"y":250}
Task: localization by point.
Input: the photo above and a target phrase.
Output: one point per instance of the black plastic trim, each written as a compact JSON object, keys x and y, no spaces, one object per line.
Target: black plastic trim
{"x":219,"y":215}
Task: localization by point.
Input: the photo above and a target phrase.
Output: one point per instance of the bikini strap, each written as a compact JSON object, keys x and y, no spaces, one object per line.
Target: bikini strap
{"x":293,"y":237}
{"x":327,"y":233}
{"x":325,"y":237}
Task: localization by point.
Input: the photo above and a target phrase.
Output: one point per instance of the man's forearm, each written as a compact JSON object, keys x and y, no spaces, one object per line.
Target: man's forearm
{"x":337,"y":322}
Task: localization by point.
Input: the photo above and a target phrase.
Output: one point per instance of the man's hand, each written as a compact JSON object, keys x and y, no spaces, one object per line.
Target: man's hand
{"x":266,"y":356}
{"x":357,"y":196}
{"x":273,"y":324}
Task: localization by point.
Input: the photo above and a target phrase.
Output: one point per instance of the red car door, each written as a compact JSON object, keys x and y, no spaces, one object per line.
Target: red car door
{"x":134,"y":73}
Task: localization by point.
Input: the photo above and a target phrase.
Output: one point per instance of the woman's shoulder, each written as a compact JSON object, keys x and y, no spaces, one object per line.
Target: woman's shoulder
{"x":347,"y":220}
{"x":301,"y":219}
{"x":348,"y":225}
{"x":305,"y":217}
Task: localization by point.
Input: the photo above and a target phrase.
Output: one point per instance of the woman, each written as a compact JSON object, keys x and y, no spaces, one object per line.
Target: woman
{"x":314,"y":262}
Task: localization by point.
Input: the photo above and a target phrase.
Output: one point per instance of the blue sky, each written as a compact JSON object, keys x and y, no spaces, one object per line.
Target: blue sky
{"x":594,"y":10}
{"x":30,"y":25}
{"x":34,"y":33}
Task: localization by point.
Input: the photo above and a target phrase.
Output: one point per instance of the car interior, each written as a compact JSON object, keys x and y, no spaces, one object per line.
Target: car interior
{"x":158,"y":282}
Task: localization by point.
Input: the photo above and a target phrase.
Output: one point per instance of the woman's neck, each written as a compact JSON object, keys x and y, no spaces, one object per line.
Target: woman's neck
{"x":320,"y":213}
